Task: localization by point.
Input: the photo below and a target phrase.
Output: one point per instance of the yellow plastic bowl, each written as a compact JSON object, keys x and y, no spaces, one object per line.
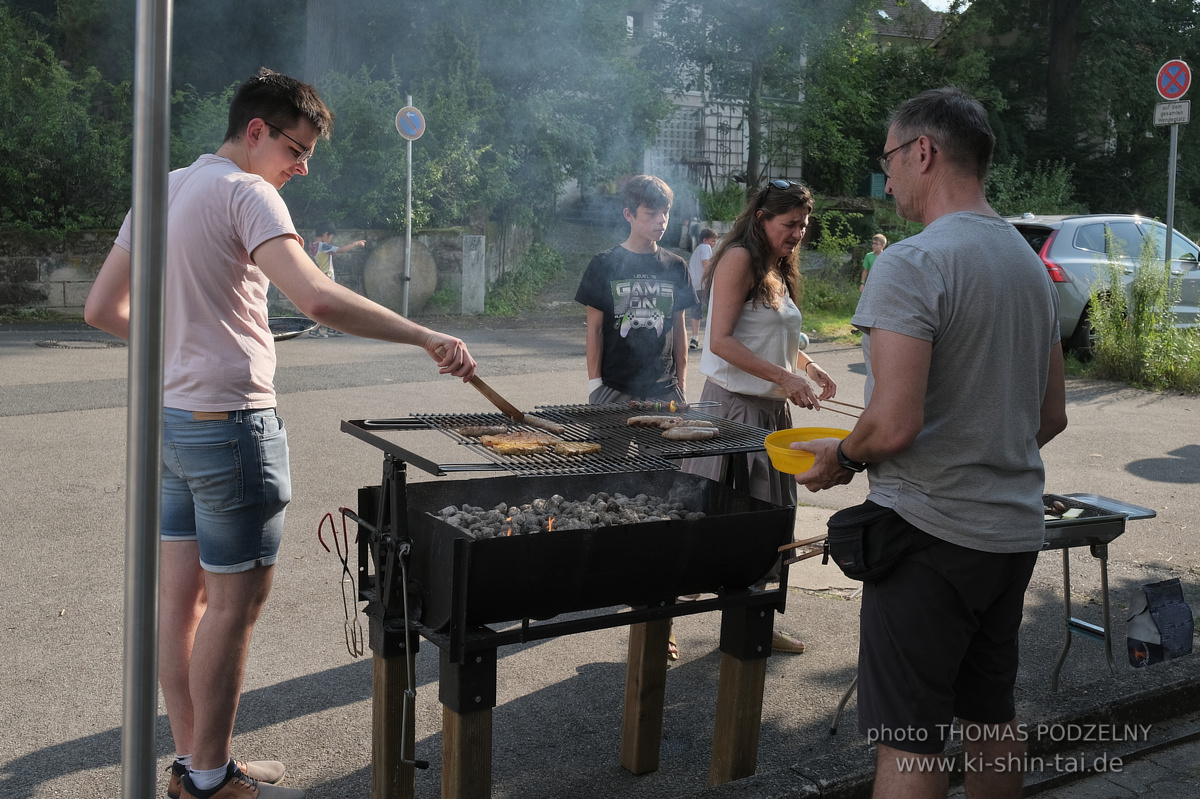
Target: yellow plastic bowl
{"x":794,"y":461}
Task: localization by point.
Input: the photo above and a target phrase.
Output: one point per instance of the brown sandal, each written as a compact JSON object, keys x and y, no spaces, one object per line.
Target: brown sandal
{"x":672,"y":648}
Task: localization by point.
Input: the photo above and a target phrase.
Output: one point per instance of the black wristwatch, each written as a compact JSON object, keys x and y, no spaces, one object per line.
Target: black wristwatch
{"x":846,"y":463}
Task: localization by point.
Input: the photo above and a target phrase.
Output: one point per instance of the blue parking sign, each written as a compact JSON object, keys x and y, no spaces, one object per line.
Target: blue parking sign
{"x":410,"y":123}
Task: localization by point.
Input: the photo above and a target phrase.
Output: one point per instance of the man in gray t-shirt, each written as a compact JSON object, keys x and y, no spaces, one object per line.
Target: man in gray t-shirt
{"x":965,"y":384}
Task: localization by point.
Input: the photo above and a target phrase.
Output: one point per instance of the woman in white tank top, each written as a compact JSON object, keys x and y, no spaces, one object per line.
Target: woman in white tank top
{"x":752,"y":358}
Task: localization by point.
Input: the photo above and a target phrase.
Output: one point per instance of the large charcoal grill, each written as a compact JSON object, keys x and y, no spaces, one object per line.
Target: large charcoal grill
{"x":419,"y":574}
{"x":463,"y":582}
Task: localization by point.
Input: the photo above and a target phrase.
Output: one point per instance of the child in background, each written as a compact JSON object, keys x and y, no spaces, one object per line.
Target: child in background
{"x":323,"y":255}
{"x":878,"y":242}
{"x":636,"y":295}
{"x":696,"y":266}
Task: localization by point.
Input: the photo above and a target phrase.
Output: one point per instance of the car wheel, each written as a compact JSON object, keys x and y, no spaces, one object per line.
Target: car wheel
{"x":1083,"y":341}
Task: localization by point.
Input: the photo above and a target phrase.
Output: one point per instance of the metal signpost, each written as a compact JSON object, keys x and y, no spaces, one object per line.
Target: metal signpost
{"x":1173,"y":81}
{"x":143,"y":497}
{"x":410,"y":124}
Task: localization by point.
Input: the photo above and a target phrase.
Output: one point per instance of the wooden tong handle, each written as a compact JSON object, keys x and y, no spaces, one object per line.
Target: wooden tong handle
{"x":807,"y":542}
{"x":506,"y":407}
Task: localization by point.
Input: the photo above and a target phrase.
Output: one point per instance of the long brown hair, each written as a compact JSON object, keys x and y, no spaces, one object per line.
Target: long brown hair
{"x":770,"y":275}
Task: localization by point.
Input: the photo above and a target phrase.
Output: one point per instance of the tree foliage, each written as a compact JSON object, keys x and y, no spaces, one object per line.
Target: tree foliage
{"x":64,"y":140}
{"x":1077,"y":80}
{"x":748,"y":53}
{"x":521,"y":96}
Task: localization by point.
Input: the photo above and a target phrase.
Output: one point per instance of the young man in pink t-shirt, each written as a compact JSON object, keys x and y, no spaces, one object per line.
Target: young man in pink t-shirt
{"x":226,"y":478}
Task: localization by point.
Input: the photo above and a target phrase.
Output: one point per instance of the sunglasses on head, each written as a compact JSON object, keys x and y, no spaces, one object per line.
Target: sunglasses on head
{"x":777,"y":183}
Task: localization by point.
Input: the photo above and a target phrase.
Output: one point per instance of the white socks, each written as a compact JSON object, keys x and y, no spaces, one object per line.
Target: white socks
{"x":204,"y":780}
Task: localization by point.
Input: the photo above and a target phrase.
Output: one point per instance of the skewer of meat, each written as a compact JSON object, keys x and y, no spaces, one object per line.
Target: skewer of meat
{"x":669,"y":405}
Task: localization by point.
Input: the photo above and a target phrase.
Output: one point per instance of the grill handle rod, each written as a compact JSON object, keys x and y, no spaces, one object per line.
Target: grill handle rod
{"x":396,"y":553}
{"x":410,"y":693}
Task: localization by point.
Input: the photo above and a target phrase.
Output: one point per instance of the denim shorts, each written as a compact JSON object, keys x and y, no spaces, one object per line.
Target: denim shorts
{"x":226,"y":484}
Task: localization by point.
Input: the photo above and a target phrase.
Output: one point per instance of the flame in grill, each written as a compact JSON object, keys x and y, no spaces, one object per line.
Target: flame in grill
{"x":550,"y":524}
{"x":509,"y":531}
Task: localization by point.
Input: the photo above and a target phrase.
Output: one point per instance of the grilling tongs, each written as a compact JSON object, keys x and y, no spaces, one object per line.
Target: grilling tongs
{"x":506,"y":407}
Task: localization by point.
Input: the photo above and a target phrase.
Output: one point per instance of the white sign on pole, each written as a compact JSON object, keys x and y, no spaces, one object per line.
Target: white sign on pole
{"x":1173,"y":80}
{"x":1172,"y":113}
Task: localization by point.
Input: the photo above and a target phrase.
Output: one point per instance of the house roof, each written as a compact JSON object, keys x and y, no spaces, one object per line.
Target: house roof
{"x":913,"y":20}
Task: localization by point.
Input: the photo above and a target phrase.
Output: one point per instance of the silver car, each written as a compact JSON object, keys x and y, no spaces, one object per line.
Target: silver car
{"x":1073,"y":249}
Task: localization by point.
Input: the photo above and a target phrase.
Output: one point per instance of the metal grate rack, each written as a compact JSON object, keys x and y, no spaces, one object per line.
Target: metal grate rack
{"x":623,"y":448}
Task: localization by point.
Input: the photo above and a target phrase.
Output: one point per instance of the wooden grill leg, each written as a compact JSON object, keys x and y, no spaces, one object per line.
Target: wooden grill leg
{"x":466,"y":754}
{"x":739,"y":716}
{"x":390,"y":779}
{"x":468,"y":694}
{"x":645,"y":695}
{"x":745,"y":647}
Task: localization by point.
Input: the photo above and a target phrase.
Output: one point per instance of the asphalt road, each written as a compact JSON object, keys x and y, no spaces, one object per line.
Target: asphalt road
{"x":557,"y":723}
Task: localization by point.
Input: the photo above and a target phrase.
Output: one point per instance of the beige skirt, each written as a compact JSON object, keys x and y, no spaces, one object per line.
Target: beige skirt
{"x":765,"y":482}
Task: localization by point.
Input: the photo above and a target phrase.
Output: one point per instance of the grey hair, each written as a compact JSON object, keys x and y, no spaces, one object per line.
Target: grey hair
{"x":957,"y":123}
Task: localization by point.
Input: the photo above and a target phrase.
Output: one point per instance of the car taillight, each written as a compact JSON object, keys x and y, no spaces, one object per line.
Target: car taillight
{"x":1057,"y":274}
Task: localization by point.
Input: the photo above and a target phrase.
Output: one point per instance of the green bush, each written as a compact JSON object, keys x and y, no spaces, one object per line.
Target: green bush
{"x":513,"y":292}
{"x":1043,"y":189}
{"x":837,"y":237}
{"x":829,"y":290}
{"x":65,"y":142}
{"x":891,"y":225}
{"x":1136,"y":338}
{"x":723,"y":205}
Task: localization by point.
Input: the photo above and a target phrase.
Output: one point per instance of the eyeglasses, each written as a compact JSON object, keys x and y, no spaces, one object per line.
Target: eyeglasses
{"x":885,"y":159}
{"x":305,"y":153}
{"x":778,"y":183}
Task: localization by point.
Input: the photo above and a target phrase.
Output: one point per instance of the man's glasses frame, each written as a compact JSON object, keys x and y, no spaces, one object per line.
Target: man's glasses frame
{"x":885,"y":159}
{"x":305,"y":153}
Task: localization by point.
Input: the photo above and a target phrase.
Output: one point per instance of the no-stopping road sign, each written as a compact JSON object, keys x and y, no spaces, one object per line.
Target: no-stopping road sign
{"x":410,"y":123}
{"x":1174,"y":79}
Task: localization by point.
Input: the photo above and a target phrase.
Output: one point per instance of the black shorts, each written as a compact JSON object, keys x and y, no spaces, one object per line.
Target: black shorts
{"x":938,"y":641}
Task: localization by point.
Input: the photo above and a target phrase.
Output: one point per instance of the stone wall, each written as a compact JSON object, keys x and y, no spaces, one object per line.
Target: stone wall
{"x":56,"y":274}
{"x":50,"y":273}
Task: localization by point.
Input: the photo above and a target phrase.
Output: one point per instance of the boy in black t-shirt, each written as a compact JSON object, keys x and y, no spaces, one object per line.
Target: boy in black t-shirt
{"x":636,"y":295}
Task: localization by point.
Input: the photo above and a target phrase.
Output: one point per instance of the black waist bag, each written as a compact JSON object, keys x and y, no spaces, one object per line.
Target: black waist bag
{"x":867,"y":541}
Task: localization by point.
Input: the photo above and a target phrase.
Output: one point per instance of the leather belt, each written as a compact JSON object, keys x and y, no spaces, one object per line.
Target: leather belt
{"x":211,"y":416}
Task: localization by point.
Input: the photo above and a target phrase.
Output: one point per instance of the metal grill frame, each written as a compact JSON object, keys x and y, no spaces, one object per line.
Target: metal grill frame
{"x":623,"y":448}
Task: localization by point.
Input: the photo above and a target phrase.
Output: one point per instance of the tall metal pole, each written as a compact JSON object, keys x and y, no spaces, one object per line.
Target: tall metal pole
{"x":1171,"y":191}
{"x":408,"y":225}
{"x":143,"y":502}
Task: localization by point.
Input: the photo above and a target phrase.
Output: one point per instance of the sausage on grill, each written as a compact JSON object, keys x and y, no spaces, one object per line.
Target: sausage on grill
{"x":544,"y":424}
{"x":691,"y":433}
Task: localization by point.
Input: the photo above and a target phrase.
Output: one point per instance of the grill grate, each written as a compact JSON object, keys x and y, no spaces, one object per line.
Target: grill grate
{"x":611,"y":420}
{"x":623,"y":448}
